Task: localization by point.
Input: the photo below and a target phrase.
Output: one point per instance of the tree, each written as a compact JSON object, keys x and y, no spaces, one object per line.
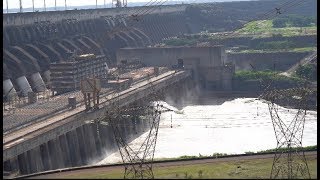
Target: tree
{"x":307,"y":71}
{"x":279,"y":23}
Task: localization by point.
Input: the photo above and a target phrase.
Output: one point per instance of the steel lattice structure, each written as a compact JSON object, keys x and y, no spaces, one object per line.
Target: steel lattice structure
{"x":289,"y":159}
{"x":137,"y":162}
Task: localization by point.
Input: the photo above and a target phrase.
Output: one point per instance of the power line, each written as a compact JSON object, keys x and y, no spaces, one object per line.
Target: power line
{"x":141,"y":8}
{"x":154,"y":7}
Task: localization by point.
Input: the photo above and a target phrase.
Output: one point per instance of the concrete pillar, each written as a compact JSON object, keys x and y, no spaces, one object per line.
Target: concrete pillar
{"x":138,"y":124}
{"x":129,"y":129}
{"x":14,"y":165}
{"x":24,"y":85}
{"x":38,"y":82}
{"x":135,"y":128}
{"x":91,"y":141}
{"x":51,"y":149}
{"x":46,"y":76}
{"x":91,"y":130}
{"x":32,"y":97}
{"x":84,"y":144}
{"x":97,"y":138}
{"x":31,"y":161}
{"x":65,"y":150}
{"x":55,"y":154}
{"x":7,"y":166}
{"x":74,"y":149}
{"x":8,"y":86}
{"x":45,"y":157}
{"x":112,"y":145}
{"x":146,"y":124}
{"x":103,"y":137}
{"x":23,"y":164}
{"x":36,"y":153}
{"x":122,"y":128}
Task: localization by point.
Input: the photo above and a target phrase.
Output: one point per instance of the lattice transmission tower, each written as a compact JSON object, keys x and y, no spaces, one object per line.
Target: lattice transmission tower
{"x":289,"y":159}
{"x":137,"y":161}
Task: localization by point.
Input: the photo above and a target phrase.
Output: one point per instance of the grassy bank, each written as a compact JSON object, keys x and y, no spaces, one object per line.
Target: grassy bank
{"x":307,"y":148}
{"x":253,"y":168}
{"x":258,"y":80}
{"x":245,"y":168}
{"x":245,"y":51}
{"x":265,"y":27}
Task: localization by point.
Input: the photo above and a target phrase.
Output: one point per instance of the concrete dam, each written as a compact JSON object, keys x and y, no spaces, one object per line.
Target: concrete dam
{"x":52,"y":59}
{"x":47,"y":124}
{"x":34,"y":40}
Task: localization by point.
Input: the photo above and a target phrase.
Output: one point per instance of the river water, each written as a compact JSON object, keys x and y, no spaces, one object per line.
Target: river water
{"x":231,"y":126}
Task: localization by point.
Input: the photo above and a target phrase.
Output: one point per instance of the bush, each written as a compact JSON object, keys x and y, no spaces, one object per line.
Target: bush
{"x":249,"y":152}
{"x":307,"y":72}
{"x":294,"y":21}
{"x":255,"y":80}
{"x":301,"y":21}
{"x":307,"y":148}
{"x":180,"y":41}
{"x":276,"y":45}
{"x":279,"y":23}
{"x":187,"y":157}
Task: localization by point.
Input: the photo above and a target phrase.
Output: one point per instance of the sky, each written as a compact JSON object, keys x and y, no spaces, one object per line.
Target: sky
{"x":50,"y":3}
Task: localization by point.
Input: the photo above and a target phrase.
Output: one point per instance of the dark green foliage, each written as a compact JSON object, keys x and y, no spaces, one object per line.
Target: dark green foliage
{"x":180,"y":42}
{"x":258,"y":80}
{"x":294,"y":21}
{"x":193,"y":10}
{"x":307,"y":72}
{"x":218,"y":154}
{"x":253,"y":75}
{"x":308,"y":148}
{"x":279,"y":23}
{"x":277,"y":35}
{"x":276,"y":45}
{"x":301,"y":21}
{"x":187,"y":157}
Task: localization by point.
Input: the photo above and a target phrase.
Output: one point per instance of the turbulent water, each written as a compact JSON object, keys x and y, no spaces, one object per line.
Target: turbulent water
{"x":233,"y":126}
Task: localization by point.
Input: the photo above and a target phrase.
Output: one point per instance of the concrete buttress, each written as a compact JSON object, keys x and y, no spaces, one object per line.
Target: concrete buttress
{"x":84,"y":147}
{"x":90,"y":139}
{"x":65,"y":150}
{"x":45,"y":156}
{"x":23,"y":163}
{"x":55,"y":154}
{"x":72,"y":140}
{"x":97,"y":138}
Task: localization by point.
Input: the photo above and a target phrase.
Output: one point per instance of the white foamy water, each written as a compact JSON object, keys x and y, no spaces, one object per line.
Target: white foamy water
{"x":233,"y":127}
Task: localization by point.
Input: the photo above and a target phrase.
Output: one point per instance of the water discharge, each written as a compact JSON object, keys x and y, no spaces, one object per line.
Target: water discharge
{"x":234,"y":126}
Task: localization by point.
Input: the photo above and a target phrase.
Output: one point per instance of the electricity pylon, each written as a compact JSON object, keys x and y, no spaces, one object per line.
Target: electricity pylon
{"x":137,"y":162}
{"x":289,"y":159}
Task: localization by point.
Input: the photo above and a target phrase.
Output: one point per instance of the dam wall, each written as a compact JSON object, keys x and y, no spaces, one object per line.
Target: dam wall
{"x":23,"y":146}
{"x":87,"y":144}
{"x":17,"y":19}
{"x":72,"y":145}
{"x":33,"y":40}
{"x":30,"y":48}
